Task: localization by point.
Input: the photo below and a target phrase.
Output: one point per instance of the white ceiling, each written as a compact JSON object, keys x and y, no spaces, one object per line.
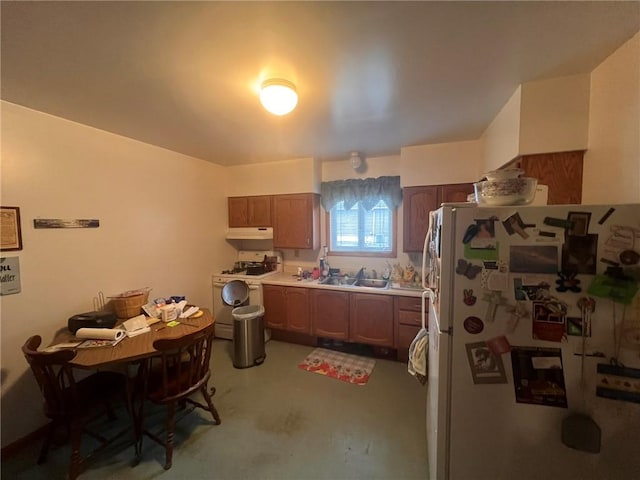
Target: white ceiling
{"x":371,"y":76}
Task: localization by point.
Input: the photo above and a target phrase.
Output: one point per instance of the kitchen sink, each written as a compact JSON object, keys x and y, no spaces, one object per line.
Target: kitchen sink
{"x":372,"y":283}
{"x":335,"y":280}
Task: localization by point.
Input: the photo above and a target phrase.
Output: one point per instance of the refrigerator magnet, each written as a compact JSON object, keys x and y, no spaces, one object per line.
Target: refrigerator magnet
{"x":538,"y":376}
{"x":514,"y":224}
{"x":469,"y":297}
{"x":618,"y":383}
{"x":568,"y":282}
{"x":495,"y":300}
{"x":485,"y":366}
{"x":499,"y":345}
{"x":517,"y":311}
{"x":473,"y":325}
{"x":548,"y":324}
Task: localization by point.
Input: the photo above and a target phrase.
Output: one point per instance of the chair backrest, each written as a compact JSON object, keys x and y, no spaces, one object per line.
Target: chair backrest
{"x":184,"y":363}
{"x":54,"y":376}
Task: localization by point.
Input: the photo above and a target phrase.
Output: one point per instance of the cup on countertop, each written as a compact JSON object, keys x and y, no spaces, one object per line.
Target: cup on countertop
{"x":169,"y":312}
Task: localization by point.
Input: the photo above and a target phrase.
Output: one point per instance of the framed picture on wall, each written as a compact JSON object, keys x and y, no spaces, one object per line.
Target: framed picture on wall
{"x":10,"y":233}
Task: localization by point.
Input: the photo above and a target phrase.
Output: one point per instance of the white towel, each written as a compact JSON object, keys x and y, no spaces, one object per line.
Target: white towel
{"x":418,"y":352}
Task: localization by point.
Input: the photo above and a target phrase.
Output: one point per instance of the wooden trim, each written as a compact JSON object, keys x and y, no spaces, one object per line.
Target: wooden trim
{"x":15,"y":447}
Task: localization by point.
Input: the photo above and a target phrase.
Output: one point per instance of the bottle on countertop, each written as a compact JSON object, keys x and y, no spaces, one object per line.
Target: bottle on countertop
{"x":324,"y":268}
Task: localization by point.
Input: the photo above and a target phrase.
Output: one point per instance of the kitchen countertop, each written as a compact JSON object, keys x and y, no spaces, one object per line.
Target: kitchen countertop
{"x":289,"y":280}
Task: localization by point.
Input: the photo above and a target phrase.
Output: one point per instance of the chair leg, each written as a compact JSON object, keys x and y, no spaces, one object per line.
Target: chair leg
{"x":111,"y":414}
{"x":171,"y":420}
{"x":212,"y":408}
{"x":47,"y":443}
{"x":74,"y":466}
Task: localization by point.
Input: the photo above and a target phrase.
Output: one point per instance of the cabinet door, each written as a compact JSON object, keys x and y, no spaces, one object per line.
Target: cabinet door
{"x":275,"y":312}
{"x":296,"y":221}
{"x":330,"y":314}
{"x":561,"y":172}
{"x":455,"y":192}
{"x":408,"y":319}
{"x":372,"y":319}
{"x":238,"y":211}
{"x":417,"y":202}
{"x":297,"y":301}
{"x":259,"y":211}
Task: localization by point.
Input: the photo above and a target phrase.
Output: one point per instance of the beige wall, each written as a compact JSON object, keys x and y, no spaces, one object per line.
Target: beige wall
{"x":286,"y":176}
{"x":612,"y":161}
{"x":554,"y":115}
{"x":456,"y":162}
{"x":162,"y":217}
{"x":501,"y":139}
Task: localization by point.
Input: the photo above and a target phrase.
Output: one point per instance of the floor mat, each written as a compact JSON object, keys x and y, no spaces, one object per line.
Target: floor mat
{"x":343,"y":366}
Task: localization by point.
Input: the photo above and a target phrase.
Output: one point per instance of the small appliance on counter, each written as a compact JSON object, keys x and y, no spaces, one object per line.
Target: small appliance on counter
{"x":91,"y":320}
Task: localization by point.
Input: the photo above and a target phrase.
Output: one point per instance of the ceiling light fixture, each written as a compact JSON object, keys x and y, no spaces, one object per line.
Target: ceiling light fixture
{"x":278,"y":96}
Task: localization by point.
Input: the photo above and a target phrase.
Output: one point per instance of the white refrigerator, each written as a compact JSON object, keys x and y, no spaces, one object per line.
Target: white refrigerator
{"x":534,"y":321}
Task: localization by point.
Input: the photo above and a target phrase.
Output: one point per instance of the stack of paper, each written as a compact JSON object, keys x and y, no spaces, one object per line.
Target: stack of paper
{"x":136,"y":326}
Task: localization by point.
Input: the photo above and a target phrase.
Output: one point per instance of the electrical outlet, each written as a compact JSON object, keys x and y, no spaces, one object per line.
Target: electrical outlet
{"x":296,"y":253}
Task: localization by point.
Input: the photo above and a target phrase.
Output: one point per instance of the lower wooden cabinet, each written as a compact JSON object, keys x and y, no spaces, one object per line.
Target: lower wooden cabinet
{"x":408,"y":319}
{"x":371,"y":319}
{"x":286,"y":308}
{"x":330,"y":314}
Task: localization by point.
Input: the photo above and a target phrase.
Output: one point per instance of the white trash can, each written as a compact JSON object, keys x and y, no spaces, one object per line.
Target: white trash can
{"x":248,"y":336}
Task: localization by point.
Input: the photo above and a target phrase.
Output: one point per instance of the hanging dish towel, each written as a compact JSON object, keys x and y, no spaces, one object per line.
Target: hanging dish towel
{"x":418,"y":352}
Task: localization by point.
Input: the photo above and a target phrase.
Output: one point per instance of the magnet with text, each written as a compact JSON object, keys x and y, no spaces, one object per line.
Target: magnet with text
{"x":473,"y":325}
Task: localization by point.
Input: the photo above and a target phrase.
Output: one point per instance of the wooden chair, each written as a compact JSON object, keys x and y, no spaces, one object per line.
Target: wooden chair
{"x":69,"y":403}
{"x":182,"y":371}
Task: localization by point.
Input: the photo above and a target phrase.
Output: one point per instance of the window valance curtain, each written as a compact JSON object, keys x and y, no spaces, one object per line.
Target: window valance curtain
{"x":367,"y":191}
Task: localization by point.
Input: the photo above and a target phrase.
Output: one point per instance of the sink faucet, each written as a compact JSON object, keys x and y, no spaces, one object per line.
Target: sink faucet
{"x":360,"y":274}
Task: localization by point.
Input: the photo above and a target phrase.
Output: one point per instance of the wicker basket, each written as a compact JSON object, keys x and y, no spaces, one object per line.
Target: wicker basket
{"x":130,"y":306}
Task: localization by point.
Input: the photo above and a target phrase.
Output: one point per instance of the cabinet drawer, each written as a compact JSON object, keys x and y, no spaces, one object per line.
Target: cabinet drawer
{"x":410,"y":303}
{"x":406,"y":334}
{"x":410,"y":318}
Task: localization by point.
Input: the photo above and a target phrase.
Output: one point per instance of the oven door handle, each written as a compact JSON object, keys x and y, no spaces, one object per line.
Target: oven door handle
{"x":222,"y":284}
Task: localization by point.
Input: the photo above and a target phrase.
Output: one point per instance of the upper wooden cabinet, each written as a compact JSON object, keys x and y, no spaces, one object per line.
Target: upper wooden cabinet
{"x":250,"y":211}
{"x":296,"y":221}
{"x":560,"y":171}
{"x":417,"y":202}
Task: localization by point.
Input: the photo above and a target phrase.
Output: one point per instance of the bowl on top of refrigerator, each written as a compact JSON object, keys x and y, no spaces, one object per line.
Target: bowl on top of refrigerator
{"x":505,"y":187}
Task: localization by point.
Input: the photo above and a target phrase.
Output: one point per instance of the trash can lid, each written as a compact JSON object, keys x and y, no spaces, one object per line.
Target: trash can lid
{"x":248,"y":312}
{"x":235,"y":292}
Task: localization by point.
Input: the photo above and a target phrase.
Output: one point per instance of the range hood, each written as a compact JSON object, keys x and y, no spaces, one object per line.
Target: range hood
{"x":250,"y":233}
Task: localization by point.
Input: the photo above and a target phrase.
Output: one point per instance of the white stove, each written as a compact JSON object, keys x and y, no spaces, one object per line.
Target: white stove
{"x":251,"y":268}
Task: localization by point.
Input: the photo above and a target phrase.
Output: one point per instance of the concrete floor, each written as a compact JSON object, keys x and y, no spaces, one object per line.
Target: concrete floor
{"x":278,"y":422}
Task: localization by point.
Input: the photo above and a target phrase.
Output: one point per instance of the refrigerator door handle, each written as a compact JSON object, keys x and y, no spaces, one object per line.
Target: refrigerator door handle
{"x":432,"y":295}
{"x":432,"y":318}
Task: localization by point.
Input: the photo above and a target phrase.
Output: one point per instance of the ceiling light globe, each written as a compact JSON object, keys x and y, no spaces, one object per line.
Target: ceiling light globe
{"x":278,"y":96}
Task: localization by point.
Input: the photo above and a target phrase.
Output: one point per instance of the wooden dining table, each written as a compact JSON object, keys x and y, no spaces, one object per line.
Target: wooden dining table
{"x":130,"y":350}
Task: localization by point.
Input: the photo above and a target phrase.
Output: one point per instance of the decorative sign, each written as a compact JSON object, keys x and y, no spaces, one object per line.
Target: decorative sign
{"x":10,"y":234}
{"x":9,"y":275}
{"x":485,"y":366}
{"x":538,"y":376}
{"x":59,"y":223}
